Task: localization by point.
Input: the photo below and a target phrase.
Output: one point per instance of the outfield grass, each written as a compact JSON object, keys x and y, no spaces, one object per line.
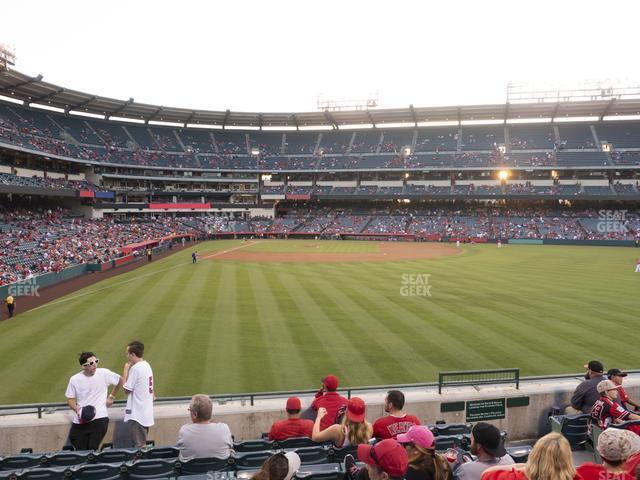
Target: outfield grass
{"x":222,"y":326}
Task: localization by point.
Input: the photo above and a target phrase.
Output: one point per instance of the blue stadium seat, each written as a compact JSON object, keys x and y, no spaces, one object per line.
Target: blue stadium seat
{"x":450,"y":428}
{"x":313,"y":455}
{"x":154,"y":468}
{"x":249,"y":460}
{"x":102,"y":471}
{"x":160,"y":453}
{"x":327,"y":471}
{"x":45,"y":473}
{"x":65,"y":459}
{"x":21,"y":461}
{"x":338,"y":454}
{"x":253,"y":446}
{"x":573,"y":427}
{"x":294,"y":442}
{"x":519,"y":454}
{"x":198,"y":466}
{"x":117,"y":455}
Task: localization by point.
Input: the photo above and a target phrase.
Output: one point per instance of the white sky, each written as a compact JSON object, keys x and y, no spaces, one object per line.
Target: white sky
{"x":280,"y":55}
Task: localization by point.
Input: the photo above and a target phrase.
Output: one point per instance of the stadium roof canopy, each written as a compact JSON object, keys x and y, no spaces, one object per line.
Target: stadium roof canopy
{"x":34,"y":90}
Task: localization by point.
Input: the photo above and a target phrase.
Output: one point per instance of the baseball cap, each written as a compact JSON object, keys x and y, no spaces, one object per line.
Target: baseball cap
{"x":388,"y":455}
{"x":606,"y":385}
{"x":294,"y":464}
{"x":293,"y":403}
{"x":616,"y":444}
{"x":617,"y":372}
{"x":87,"y":414}
{"x":331,"y":382}
{"x":356,"y":409}
{"x":489,"y":437}
{"x":420,"y":435}
{"x":595,"y":366}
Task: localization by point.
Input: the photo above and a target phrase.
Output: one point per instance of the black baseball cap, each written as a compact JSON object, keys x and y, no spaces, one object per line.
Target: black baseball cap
{"x":87,"y":414}
{"x":617,"y":372}
{"x":595,"y":366}
{"x":489,"y":437}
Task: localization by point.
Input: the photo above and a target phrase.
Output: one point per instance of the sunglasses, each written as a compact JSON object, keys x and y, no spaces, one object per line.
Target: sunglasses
{"x":90,"y":364}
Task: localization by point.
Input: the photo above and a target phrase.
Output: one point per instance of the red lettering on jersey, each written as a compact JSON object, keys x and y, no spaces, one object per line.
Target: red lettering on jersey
{"x":151,"y":385}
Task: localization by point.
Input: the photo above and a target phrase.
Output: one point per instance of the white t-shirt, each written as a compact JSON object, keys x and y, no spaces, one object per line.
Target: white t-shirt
{"x":203,"y":440}
{"x":140,"y":400}
{"x":92,"y":390}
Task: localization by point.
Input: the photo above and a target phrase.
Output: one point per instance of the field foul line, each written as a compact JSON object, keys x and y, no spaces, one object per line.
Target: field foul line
{"x":56,"y":302}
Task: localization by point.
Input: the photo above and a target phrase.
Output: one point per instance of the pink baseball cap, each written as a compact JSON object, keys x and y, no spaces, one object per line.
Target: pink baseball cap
{"x":420,"y":435}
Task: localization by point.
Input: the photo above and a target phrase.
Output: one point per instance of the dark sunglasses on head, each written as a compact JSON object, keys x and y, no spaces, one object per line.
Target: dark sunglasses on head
{"x":89,"y":364}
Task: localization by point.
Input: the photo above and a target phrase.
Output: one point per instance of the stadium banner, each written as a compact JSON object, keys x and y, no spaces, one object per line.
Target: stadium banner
{"x":305,"y":196}
{"x":525,"y":241}
{"x":485,"y":409}
{"x":106,"y":195}
{"x":123,"y":260}
{"x":86,"y":193}
{"x":175,"y":206}
{"x":272,"y":197}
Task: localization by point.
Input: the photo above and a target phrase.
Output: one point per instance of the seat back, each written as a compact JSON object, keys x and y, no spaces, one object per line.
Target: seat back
{"x":20,"y":461}
{"x":575,"y":428}
{"x":97,"y":472}
{"x":258,"y":445}
{"x":198,"y":466}
{"x":294,"y":442}
{"x":147,"y":469}
{"x":251,"y":460}
{"x":313,"y":455}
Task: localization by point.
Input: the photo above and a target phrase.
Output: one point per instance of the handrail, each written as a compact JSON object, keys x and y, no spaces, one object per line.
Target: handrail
{"x":40,"y":408}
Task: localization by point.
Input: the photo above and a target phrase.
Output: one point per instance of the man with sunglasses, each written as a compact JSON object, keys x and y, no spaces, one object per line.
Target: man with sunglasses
{"x":87,"y":397}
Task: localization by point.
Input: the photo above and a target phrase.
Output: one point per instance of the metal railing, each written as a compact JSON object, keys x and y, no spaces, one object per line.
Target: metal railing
{"x":478,"y":377}
{"x":250,"y":398}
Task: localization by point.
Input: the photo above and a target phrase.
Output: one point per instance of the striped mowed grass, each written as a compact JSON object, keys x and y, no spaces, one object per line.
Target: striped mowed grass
{"x":229,"y":326}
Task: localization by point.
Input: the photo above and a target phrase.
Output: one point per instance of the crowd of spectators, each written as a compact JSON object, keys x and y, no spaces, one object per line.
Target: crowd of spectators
{"x":40,"y":241}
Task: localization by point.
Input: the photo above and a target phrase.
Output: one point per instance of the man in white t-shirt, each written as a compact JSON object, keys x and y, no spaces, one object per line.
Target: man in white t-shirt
{"x":203,"y":438}
{"x":138,"y":385}
{"x":488,"y":446}
{"x":87,"y":397}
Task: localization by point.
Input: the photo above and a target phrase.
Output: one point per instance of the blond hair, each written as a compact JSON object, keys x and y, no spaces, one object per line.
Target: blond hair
{"x":357,"y":432}
{"x":550,"y":459}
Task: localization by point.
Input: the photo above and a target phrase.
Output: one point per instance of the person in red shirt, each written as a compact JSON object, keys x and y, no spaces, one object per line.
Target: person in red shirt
{"x":606,"y":411}
{"x":397,"y":421}
{"x":293,"y":426}
{"x":332,"y":401}
{"x":615,"y":446}
{"x":550,"y":458}
{"x":616,"y":376}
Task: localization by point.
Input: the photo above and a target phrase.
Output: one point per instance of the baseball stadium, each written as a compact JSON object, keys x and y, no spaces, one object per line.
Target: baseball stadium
{"x":462,"y":254}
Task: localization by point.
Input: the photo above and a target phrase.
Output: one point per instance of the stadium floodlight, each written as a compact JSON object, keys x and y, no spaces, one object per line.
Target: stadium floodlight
{"x":255,"y":151}
{"x":209,"y":126}
{"x":86,"y":114}
{"x":491,"y":121}
{"x":621,"y":117}
{"x":46,"y":107}
{"x":407,"y":151}
{"x":529,"y":120}
{"x":356,"y":126}
{"x":315,"y":127}
{"x":576,"y":119}
{"x":166,"y":124}
{"x":11,"y":99}
{"x":446,"y":123}
{"x":503,"y":175}
{"x":125,"y":119}
{"x":266,"y":177}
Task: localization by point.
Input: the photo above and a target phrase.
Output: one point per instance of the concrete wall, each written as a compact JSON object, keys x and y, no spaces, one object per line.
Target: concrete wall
{"x":248,"y":422}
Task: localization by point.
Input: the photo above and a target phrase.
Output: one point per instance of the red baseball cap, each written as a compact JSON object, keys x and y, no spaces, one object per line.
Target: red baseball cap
{"x":293,"y":403}
{"x":356,"y":410}
{"x":331,"y":382}
{"x":388,"y":455}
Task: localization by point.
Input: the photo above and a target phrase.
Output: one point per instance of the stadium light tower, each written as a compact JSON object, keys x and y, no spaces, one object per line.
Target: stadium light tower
{"x":7,"y":57}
